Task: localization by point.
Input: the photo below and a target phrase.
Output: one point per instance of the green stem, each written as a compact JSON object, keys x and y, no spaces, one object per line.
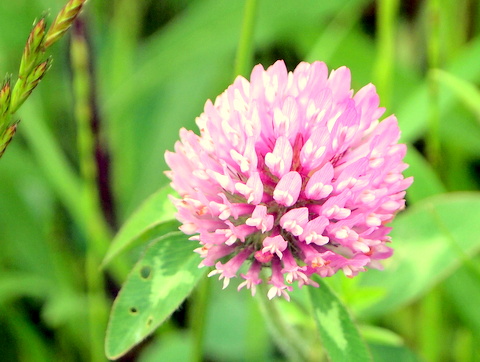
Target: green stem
{"x":433,"y":52}
{"x":65,"y":183}
{"x":285,"y":335}
{"x":430,"y":324}
{"x":198,"y":316}
{"x":433,"y":146}
{"x":387,"y":19}
{"x":257,"y":337}
{"x":121,"y":45}
{"x":243,"y":59}
{"x":97,"y":300}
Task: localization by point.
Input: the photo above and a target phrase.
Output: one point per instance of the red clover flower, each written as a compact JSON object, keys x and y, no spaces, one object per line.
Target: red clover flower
{"x":293,"y":172}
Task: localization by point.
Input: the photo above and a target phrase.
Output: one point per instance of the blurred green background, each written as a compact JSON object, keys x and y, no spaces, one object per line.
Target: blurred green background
{"x":153,"y":64}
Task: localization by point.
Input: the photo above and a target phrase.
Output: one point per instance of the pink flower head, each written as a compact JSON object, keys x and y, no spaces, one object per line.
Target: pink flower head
{"x":292,"y":172}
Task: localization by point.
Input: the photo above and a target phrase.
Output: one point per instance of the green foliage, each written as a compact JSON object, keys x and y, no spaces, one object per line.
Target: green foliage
{"x":154,"y":64}
{"x":338,"y":332}
{"x":467,"y":92}
{"x":438,"y":227}
{"x":158,"y":283}
{"x":153,"y":218}
{"x":32,"y":67}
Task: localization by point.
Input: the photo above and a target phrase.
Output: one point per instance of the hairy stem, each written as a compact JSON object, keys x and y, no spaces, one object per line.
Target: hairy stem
{"x":285,"y":335}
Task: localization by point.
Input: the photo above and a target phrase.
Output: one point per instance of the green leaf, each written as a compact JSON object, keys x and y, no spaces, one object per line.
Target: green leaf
{"x":14,"y":285}
{"x":465,"y":91}
{"x":157,"y":285}
{"x":387,"y":353}
{"x":426,"y":182}
{"x":413,"y":112}
{"x":380,"y":335}
{"x":430,"y":240}
{"x":152,"y":219}
{"x":338,"y":332}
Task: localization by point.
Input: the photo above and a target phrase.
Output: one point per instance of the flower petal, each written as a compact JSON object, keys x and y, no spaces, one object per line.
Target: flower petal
{"x":288,"y":189}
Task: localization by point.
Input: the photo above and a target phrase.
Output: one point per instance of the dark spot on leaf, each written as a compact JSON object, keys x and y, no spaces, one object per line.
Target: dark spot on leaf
{"x":133,"y":311}
{"x":149,"y":321}
{"x":145,"y":272}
